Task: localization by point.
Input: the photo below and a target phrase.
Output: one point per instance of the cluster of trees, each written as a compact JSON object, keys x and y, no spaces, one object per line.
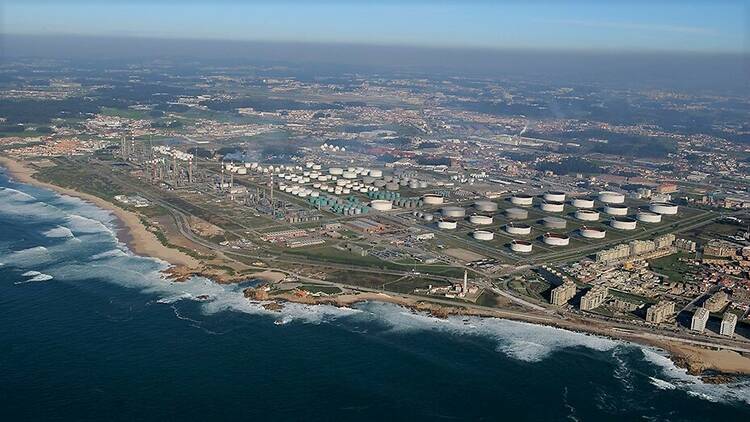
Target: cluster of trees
{"x":570,"y":166}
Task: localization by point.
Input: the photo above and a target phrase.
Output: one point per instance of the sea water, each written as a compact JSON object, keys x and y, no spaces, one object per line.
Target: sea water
{"x":92,"y":332}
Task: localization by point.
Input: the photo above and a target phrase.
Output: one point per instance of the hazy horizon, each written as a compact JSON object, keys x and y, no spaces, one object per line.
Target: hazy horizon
{"x":579,"y":25}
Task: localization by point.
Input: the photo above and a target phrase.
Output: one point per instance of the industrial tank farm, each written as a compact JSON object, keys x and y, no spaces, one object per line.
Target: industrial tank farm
{"x":518,"y":228}
{"x":648,"y":217}
{"x":623,"y":223}
{"x":555,"y":239}
{"x":664,"y":208}
{"x":522,"y":246}
{"x":592,"y":232}
{"x":522,"y":200}
{"x":587,"y":215}
{"x":554,"y":196}
{"x":609,"y":197}
{"x":485,"y":206}
{"x":616,"y":209}
{"x":483,"y":235}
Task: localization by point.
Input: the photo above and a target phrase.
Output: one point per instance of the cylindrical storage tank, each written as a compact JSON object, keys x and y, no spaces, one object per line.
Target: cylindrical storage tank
{"x":376,"y":173}
{"x":381,"y":205}
{"x":336,"y":171}
{"x":518,"y":228}
{"x":664,"y":208}
{"x":555,"y":239}
{"x":349,"y":175}
{"x":483,"y":235}
{"x":485,"y":206}
{"x":422,"y":184}
{"x":341,"y":182}
{"x":582,"y":203}
{"x":428,"y":217}
{"x":623,"y":223}
{"x":403,"y":182}
{"x":522,"y":246}
{"x":547,"y":206}
{"x":447,"y":225}
{"x":648,"y":217}
{"x":453,"y":212}
{"x":413,"y":185}
{"x":554,"y":222}
{"x":432,"y":199}
{"x":379,"y":183}
{"x":516,"y":213}
{"x":609,"y":197}
{"x":480,"y":219}
{"x":521,"y":199}
{"x":391,"y":186}
{"x":592,"y":232}
{"x":316,"y":167}
{"x":368,"y":180}
{"x":554,"y":196}
{"x":616,"y":209}
{"x":587,"y":215}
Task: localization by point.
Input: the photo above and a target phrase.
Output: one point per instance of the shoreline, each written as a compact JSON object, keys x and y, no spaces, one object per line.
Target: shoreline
{"x":140,"y":241}
{"x":129,"y":229}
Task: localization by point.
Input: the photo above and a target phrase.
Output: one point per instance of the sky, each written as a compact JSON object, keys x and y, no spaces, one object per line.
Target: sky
{"x":702,"y":26}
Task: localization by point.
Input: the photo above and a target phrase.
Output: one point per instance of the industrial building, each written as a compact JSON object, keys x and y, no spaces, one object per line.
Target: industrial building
{"x":700,"y":318}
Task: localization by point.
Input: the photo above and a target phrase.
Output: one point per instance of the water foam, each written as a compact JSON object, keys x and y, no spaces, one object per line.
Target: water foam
{"x":517,"y":340}
{"x":679,"y":379}
{"x":59,"y":231}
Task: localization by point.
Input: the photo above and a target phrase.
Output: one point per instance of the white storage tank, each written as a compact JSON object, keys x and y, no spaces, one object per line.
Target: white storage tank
{"x":582,"y":202}
{"x":480,"y":219}
{"x":483,"y":235}
{"x":547,"y":206}
{"x":648,"y":217}
{"x":432,"y":199}
{"x":592,"y":232}
{"x":453,"y":212}
{"x":391,"y":186}
{"x":554,"y":196}
{"x":587,"y":215}
{"x":518,"y":228}
{"x":554,"y":222}
{"x":447,"y":225}
{"x":522,"y":246}
{"x":335,"y":171}
{"x":485,"y":206}
{"x":616,"y":209}
{"x":623,"y":223}
{"x":381,"y":205}
{"x":555,"y":239}
{"x":521,"y":199}
{"x":516,"y":213}
{"x":610,"y":197}
{"x":376,"y":173}
{"x":664,"y":208}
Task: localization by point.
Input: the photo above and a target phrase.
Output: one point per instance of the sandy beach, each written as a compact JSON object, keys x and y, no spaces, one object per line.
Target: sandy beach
{"x":131,"y":231}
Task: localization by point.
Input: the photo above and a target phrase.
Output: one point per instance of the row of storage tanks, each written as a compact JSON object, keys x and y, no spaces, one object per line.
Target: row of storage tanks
{"x":348,"y":206}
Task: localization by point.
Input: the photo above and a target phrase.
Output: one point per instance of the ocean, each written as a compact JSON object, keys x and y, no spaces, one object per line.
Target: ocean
{"x":93,"y":332}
